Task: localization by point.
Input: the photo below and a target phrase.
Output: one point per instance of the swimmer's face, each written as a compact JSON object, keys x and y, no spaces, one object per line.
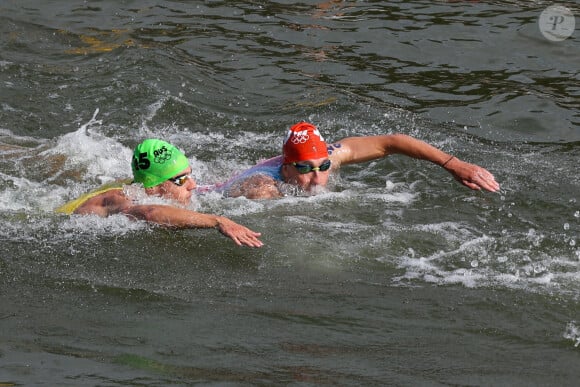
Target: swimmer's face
{"x":178,"y":188}
{"x":308,"y":174}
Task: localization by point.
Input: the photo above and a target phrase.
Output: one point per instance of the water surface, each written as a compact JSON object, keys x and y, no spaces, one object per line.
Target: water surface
{"x":397,"y":276}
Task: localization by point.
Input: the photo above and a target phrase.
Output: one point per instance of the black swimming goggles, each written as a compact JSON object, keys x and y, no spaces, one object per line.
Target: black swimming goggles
{"x":307,"y":168}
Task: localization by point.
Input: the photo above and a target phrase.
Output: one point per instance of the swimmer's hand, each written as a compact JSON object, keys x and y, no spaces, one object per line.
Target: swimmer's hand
{"x":241,"y":235}
{"x":471,"y":175}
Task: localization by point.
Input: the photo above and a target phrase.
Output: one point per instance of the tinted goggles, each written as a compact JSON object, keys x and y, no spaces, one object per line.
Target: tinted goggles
{"x":180,"y":180}
{"x":307,"y":168}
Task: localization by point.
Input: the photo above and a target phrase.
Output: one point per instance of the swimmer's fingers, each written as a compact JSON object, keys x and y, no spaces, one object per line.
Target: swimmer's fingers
{"x":239,"y":234}
{"x":473,"y":176}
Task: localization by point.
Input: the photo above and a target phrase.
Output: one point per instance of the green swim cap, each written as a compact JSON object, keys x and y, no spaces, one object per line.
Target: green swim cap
{"x":155,"y":161}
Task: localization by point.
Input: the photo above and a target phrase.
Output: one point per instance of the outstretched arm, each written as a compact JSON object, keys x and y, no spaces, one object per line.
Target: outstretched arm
{"x":360,"y":149}
{"x":181,"y":218}
{"x":115,"y":202}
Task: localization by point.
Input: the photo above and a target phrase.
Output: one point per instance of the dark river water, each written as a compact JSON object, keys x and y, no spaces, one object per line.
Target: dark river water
{"x":396,"y":276}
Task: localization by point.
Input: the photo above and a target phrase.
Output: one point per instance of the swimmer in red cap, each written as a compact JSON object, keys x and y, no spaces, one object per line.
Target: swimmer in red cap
{"x":307,"y":161}
{"x":160,"y":169}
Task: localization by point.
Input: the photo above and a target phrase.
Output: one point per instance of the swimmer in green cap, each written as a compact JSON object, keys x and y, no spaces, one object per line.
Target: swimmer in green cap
{"x":164,"y":171}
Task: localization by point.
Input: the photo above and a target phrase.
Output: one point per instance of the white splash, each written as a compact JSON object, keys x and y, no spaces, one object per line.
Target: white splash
{"x":573,"y":333}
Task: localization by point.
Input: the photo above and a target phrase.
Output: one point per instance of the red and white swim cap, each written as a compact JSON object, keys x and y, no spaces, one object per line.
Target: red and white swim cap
{"x":303,"y":142}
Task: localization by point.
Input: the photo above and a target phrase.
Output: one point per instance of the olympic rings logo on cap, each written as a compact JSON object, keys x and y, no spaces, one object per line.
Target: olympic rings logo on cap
{"x":161,"y":155}
{"x":300,"y":137}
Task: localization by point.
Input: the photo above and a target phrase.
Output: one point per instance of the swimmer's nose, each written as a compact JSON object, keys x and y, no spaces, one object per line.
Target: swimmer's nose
{"x":191,"y":184}
{"x":316,"y":177}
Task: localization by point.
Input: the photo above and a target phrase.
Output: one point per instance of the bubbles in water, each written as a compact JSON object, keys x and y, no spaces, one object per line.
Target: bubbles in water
{"x":566,"y":226}
{"x":572,"y":333}
{"x":538,"y":268}
{"x":577,"y":214}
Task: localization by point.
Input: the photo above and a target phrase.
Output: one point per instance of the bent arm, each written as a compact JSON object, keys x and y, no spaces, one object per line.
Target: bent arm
{"x":360,"y":149}
{"x":115,"y":202}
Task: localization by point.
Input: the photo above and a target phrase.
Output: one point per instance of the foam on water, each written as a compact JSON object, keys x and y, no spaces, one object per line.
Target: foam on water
{"x":104,"y":158}
{"x":75,"y":225}
{"x":573,"y":333}
{"x":481,"y":262}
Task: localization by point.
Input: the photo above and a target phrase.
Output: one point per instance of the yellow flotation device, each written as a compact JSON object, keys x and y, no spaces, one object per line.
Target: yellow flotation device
{"x":71,"y":206}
